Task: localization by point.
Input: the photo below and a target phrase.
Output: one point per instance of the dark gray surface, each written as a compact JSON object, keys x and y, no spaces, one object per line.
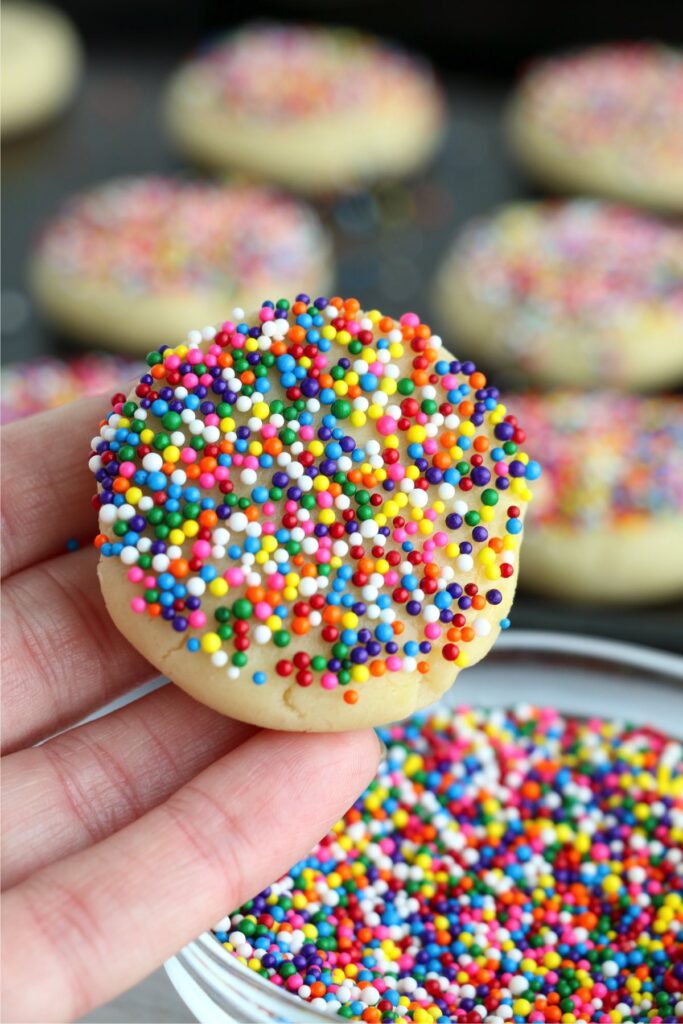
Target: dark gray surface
{"x":388,"y":242}
{"x":153,"y":1001}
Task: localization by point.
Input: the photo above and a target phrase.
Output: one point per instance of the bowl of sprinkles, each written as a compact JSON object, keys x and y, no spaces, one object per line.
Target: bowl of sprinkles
{"x":507,"y":863}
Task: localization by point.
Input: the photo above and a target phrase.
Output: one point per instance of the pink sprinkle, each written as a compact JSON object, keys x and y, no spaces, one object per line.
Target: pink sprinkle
{"x":201,"y":549}
{"x":386,"y":425}
{"x":135,"y":574}
{"x":234,"y":576}
{"x":188,"y":455}
{"x":138,"y":604}
{"x":394,"y":663}
{"x":410,"y":320}
{"x":127,"y":470}
{"x":197,"y":619}
{"x":329,"y":681}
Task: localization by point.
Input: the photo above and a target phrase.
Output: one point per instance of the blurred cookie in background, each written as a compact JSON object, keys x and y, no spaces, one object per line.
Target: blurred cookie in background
{"x":41,"y":65}
{"x":138,"y":262}
{"x":577,"y":293}
{"x":46,"y":382}
{"x":606,"y":522}
{"x":316,"y":109}
{"x":607,"y":120}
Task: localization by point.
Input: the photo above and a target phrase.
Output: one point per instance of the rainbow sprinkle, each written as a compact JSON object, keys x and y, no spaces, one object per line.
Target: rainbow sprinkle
{"x":607,"y":458}
{"x":502,"y":866}
{"x":318,"y":479}
{"x":159,"y":235}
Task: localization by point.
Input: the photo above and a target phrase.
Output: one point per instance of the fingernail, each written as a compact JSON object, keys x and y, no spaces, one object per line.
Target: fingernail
{"x":383,"y":749}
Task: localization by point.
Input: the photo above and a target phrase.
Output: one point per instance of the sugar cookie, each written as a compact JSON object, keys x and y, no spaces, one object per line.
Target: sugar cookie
{"x":316,"y":109}
{"x":137,"y":262}
{"x":605,"y":121}
{"x":310,"y":519}
{"x":41,"y":65}
{"x":607,"y":522}
{"x":572,"y":294}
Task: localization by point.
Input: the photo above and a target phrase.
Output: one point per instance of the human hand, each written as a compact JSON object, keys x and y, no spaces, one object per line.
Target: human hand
{"x":127,"y":836}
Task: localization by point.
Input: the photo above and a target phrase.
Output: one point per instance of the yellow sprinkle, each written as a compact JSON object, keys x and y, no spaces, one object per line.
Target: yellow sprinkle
{"x":210,"y":643}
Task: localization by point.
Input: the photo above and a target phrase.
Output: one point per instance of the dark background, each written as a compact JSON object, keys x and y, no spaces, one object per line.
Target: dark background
{"x":389,"y":241}
{"x":477,"y":36}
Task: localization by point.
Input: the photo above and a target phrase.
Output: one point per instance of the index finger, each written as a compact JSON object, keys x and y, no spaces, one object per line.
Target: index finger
{"x":98,"y":921}
{"x":47,"y":483}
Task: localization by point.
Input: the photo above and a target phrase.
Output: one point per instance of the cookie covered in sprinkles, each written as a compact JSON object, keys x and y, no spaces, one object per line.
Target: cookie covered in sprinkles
{"x":607,"y":120}
{"x":137,"y":260}
{"x":318,"y":109}
{"x":577,"y":293}
{"x":607,"y":522}
{"x":311,"y":519}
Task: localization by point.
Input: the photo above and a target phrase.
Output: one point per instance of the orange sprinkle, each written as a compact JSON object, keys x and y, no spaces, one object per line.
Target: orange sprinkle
{"x":208,"y":518}
{"x":351,"y":697}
